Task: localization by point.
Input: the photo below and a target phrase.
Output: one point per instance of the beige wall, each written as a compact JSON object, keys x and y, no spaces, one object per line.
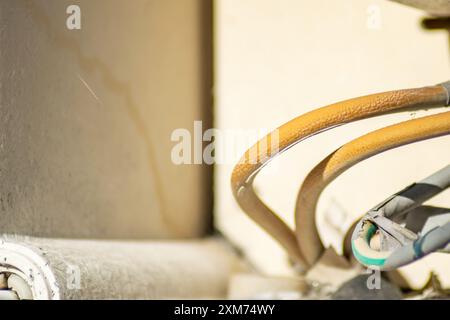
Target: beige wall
{"x":86,"y":117}
{"x":278,"y":59}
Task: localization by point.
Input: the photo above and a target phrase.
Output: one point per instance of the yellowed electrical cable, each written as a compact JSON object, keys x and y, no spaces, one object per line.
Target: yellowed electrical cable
{"x":347,"y":156}
{"x":305,"y":126}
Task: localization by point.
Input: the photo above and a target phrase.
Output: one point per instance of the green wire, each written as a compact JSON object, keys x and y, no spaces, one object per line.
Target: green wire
{"x":365,"y":260}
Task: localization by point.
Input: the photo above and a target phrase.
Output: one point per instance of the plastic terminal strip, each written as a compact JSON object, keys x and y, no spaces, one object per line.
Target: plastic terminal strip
{"x":13,"y":287}
{"x":8,"y":295}
{"x":5,"y":292}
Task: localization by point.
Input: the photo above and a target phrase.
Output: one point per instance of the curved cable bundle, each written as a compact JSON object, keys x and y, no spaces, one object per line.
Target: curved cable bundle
{"x":305,"y":247}
{"x":349,"y":155}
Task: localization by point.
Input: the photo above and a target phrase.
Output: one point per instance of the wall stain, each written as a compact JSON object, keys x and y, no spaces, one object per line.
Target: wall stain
{"x":92,"y":64}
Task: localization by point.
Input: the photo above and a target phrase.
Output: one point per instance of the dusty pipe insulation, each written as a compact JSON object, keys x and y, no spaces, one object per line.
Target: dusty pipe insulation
{"x":305,"y":247}
{"x":95,"y":269}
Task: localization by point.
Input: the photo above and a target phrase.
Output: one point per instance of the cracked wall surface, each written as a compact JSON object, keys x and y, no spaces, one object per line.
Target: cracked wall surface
{"x":86,"y":117}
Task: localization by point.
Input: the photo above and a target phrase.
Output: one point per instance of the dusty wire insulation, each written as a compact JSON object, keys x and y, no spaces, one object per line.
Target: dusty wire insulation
{"x":304,"y":127}
{"x":349,"y":155}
